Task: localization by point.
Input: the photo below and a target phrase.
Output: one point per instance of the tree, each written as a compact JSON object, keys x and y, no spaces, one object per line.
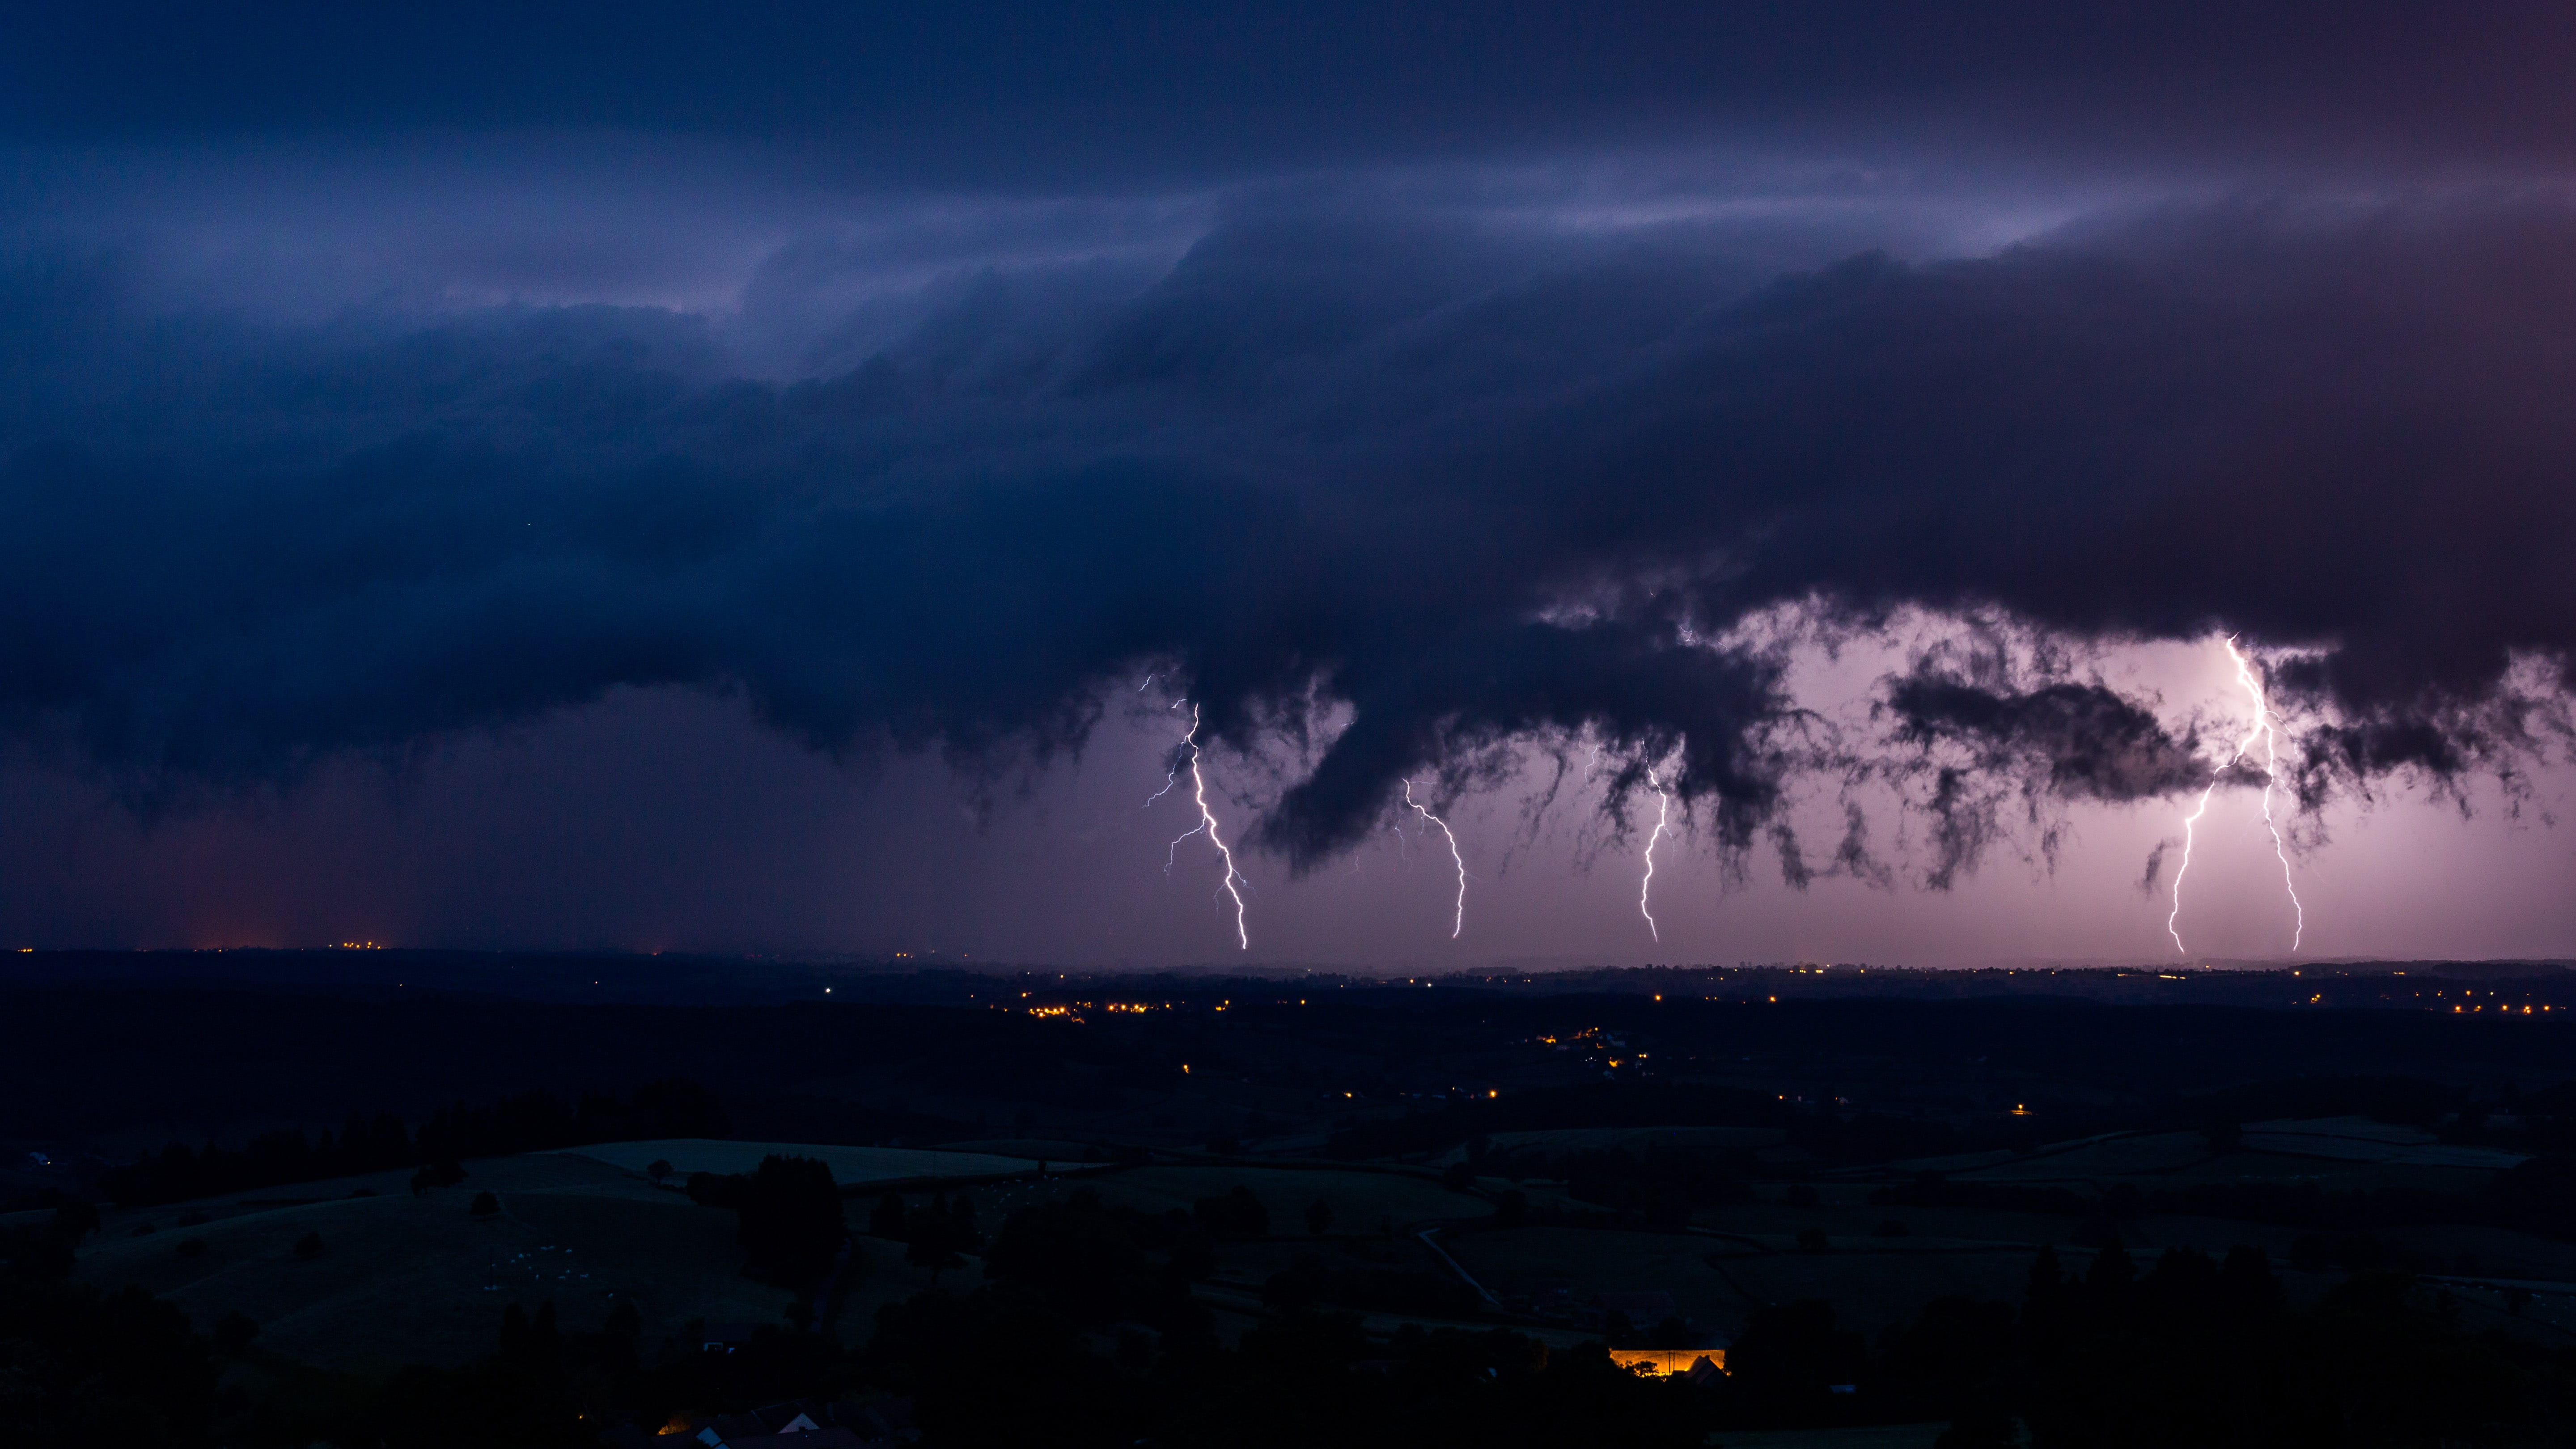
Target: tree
{"x":436,"y":1175}
{"x":1319,"y":1218}
{"x":87,"y":1367}
{"x":887,"y":1221}
{"x":75,"y":1220}
{"x":232,"y":1334}
{"x":485,"y":1205}
{"x":1191,"y":1259}
{"x":660,"y":1170}
{"x":1235,"y":1214}
{"x":1788,"y":1356}
{"x":1298,"y":1286}
{"x":935,"y":1234}
{"x":789,"y":1220}
{"x":309,"y":1247}
{"x":1078,"y":1256}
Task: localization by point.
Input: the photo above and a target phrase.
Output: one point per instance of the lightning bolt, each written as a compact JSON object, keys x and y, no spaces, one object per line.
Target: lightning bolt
{"x":1646,"y":887}
{"x":1458,"y":919}
{"x":2264,"y":726}
{"x":2265,"y":730}
{"x":1173,"y":775}
{"x":1206,"y":826}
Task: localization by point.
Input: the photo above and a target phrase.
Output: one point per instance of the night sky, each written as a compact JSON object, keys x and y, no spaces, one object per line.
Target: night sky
{"x":779,"y":477}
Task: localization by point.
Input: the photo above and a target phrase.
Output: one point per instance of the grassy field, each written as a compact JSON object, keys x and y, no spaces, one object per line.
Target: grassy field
{"x":1521,"y":1260}
{"x":1383,"y":1208}
{"x":2121,"y":1157}
{"x":2336,"y":1153}
{"x":1879,"y":1436}
{"x":2333,"y":1176}
{"x":851,"y":1166}
{"x":1361,"y":1201}
{"x":2363,"y":1140}
{"x":1717,"y":1282}
{"x":1871,"y":1291}
{"x":1635,"y":1141}
{"x":1046,"y":1149}
{"x":405,"y":1279}
{"x":422,"y":1280}
{"x":1846,"y":1214}
{"x":2492,"y":1252}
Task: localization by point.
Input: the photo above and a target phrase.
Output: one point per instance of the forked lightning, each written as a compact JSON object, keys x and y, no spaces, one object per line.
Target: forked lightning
{"x":1458,"y":918}
{"x":1206,"y":826}
{"x":1646,"y":887}
{"x":2268,"y":732}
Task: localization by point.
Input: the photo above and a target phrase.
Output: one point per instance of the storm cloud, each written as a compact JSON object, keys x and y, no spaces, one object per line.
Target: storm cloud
{"x":1405,"y":484}
{"x":983,"y":93}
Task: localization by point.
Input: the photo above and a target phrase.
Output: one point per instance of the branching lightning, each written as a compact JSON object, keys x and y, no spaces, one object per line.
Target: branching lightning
{"x":1206,"y":826}
{"x":1173,"y":775}
{"x":2268,"y":732}
{"x":1458,"y":919}
{"x":1646,"y":887}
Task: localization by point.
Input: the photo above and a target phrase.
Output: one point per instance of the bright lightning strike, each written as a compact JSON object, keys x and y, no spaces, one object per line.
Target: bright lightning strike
{"x":2265,"y":730}
{"x":1458,"y":919}
{"x":1646,"y":887}
{"x":1206,"y":826}
{"x":2264,"y":725}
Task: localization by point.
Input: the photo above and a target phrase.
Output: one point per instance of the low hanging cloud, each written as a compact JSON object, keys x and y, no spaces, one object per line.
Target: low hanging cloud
{"x":1451,"y":486}
{"x":1991,"y":757}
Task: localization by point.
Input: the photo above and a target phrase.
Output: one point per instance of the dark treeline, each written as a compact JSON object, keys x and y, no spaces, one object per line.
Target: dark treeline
{"x":78,"y":1366}
{"x":1094,"y":1337}
{"x":788,"y":1213}
{"x":2536,"y":1196}
{"x":1105,"y":1346}
{"x":1100,"y":1343}
{"x":2190,"y":1351}
{"x":529,"y":1122}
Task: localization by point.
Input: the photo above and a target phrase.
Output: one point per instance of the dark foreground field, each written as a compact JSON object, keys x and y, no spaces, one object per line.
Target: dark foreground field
{"x":1250,"y":1212}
